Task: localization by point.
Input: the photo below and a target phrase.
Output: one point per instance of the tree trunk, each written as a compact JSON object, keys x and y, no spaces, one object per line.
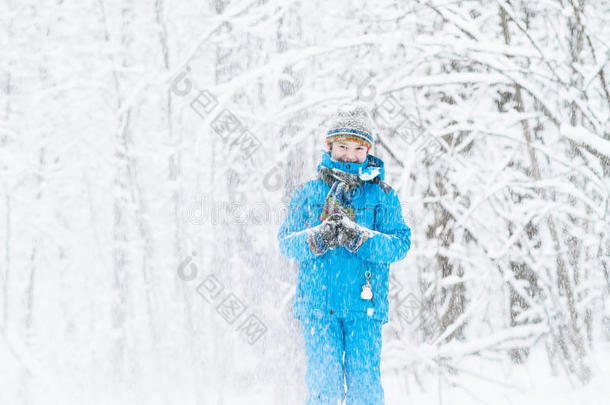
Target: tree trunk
{"x":576,"y":360}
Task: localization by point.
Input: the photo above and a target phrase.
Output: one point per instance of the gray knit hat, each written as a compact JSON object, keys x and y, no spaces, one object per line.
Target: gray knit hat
{"x":352,"y":122}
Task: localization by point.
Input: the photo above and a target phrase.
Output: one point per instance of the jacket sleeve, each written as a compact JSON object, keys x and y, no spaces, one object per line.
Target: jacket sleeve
{"x":292,"y":235}
{"x":392,"y":239}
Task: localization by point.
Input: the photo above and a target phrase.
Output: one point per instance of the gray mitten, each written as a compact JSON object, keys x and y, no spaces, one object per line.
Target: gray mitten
{"x":324,"y":236}
{"x":352,"y":235}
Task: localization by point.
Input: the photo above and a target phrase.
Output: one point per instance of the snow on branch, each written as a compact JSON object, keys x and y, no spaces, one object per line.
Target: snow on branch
{"x":583,"y":137}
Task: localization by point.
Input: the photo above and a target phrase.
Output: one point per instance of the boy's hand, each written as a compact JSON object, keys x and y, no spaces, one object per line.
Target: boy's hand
{"x":351,"y":235}
{"x":324,"y":236}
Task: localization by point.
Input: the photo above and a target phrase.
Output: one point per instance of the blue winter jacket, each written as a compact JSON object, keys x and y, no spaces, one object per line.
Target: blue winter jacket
{"x":330,"y":284}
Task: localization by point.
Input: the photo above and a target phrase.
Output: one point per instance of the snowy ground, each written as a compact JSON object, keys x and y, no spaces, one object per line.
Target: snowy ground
{"x":480,"y":382}
{"x":484,"y":382}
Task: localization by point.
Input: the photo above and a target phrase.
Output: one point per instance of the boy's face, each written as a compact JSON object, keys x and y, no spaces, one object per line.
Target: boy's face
{"x":347,"y":151}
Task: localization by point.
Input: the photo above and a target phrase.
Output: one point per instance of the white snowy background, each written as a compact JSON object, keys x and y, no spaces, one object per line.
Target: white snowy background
{"x":148,"y":150}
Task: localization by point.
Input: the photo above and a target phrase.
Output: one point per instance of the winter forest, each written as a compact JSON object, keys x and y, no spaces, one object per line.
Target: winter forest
{"x":149,"y":150}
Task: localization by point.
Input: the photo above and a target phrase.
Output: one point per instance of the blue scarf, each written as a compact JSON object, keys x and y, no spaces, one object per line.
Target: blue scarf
{"x":369,"y":169}
{"x":343,"y":178}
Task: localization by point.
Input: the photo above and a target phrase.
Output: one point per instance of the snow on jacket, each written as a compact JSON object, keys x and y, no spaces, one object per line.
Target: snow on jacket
{"x":331,"y":283}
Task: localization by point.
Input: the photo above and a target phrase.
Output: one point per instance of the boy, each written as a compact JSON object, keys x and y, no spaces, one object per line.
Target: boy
{"x":344,"y":228}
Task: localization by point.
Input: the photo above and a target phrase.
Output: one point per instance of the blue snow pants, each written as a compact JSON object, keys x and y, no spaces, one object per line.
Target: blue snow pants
{"x":326,"y":342}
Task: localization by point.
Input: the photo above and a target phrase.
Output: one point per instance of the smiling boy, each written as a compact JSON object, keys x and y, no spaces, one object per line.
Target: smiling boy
{"x":344,"y":228}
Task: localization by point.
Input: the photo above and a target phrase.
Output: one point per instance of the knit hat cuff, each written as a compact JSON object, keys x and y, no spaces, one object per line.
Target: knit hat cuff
{"x":351,"y":135}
